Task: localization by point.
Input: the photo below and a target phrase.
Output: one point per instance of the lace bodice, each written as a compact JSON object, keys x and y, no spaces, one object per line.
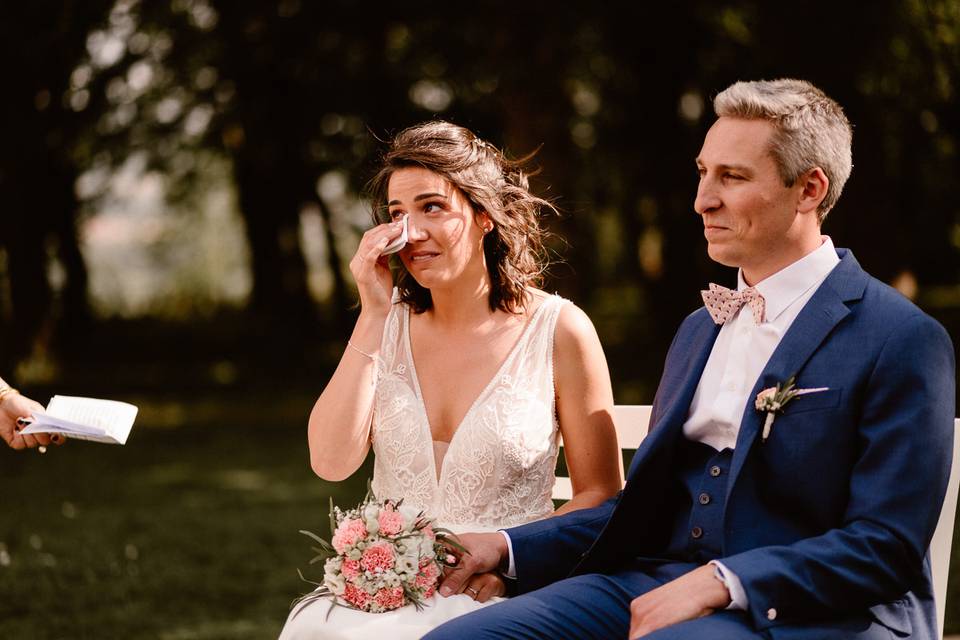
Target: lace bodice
{"x":499,"y":469}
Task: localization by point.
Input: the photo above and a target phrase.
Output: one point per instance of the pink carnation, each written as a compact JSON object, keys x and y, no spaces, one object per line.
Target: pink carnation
{"x":349,"y":533}
{"x":357,"y":597}
{"x":378,"y":557}
{"x":350,"y":569}
{"x":391,"y":522}
{"x":427,"y":577}
{"x":389,"y":597}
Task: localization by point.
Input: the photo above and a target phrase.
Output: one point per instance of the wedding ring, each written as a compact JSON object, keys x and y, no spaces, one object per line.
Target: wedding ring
{"x":473,"y":591}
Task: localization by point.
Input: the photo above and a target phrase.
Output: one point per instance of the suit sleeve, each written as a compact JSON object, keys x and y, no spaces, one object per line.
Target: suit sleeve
{"x":548,"y":550}
{"x":896,"y":491}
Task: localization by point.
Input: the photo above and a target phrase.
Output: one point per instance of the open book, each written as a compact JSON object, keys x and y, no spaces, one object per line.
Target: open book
{"x":85,"y":419}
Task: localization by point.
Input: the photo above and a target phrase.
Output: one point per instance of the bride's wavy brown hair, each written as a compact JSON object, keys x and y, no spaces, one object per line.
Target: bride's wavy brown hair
{"x":495,"y":185}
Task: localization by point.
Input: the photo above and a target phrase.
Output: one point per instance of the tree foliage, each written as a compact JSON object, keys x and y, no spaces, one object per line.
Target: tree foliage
{"x":616,"y":97}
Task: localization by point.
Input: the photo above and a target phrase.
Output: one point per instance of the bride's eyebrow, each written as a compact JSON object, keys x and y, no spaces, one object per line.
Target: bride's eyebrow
{"x":422,"y":196}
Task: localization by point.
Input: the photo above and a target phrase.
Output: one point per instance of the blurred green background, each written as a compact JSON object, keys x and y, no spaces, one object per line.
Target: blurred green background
{"x":179,"y":197}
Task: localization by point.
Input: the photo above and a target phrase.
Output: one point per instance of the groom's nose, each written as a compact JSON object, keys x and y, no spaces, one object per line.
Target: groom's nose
{"x":707,"y":199}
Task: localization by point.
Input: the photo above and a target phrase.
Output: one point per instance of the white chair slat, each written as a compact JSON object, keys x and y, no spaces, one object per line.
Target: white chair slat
{"x":942,"y":542}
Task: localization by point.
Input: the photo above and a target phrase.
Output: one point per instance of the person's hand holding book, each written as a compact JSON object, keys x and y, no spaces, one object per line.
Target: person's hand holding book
{"x":15,"y":407}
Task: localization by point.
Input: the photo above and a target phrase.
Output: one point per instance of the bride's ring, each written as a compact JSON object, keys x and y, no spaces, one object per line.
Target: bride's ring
{"x":473,"y":591}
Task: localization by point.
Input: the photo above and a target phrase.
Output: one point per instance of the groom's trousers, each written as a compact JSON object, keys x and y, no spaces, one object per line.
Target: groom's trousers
{"x":598,"y":605}
{"x":584,"y":607}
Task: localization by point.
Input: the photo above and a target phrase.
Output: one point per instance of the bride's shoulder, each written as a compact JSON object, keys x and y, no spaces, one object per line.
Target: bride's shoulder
{"x":574,"y":329}
{"x":535,"y":298}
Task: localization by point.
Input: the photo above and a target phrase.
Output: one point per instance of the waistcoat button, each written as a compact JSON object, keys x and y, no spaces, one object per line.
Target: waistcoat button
{"x":697,"y":533}
{"x":704,"y":498}
{"x":715,"y":471}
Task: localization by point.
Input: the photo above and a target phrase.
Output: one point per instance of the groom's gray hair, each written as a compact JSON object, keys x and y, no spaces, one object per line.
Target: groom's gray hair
{"x":810,"y":129}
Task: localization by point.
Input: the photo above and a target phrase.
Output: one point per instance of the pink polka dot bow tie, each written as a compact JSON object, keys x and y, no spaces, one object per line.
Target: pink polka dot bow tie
{"x":723,"y":303}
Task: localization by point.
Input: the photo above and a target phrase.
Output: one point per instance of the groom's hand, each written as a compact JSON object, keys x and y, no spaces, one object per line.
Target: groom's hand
{"x":692,"y":595}
{"x":486,"y":552}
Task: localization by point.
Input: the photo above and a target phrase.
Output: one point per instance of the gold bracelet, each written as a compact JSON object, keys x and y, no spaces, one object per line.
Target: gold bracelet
{"x":358,"y":350}
{"x":5,"y":391}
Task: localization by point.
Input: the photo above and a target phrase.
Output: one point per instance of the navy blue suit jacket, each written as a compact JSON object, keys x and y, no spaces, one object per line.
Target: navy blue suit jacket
{"x":829,"y":519}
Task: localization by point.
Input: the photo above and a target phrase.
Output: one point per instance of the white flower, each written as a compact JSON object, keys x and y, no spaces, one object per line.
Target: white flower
{"x":407,"y":564}
{"x":335,"y":582}
{"x":371,"y":517}
{"x":333,"y":565}
{"x":413,"y":552}
{"x":426,"y":547}
{"x":410,"y":515}
{"x":391,"y":579}
{"x":354,"y":554}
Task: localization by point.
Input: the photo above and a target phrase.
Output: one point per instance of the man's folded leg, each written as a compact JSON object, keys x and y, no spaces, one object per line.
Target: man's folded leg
{"x":578,"y":608}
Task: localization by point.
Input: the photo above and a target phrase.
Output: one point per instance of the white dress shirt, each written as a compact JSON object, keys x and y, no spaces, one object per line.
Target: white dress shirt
{"x":743,"y":348}
{"x":739,"y":355}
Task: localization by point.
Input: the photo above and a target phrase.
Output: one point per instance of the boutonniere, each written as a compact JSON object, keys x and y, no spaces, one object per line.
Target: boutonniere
{"x":774,"y":399}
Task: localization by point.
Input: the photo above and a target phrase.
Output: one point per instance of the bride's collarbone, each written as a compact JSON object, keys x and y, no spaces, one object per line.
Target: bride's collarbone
{"x":453,"y":375}
{"x":460,"y":366}
{"x":434,"y":343}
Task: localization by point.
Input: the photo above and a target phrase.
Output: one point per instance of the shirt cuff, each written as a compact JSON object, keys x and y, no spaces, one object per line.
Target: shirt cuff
{"x":738,"y":597}
{"x":511,"y":571}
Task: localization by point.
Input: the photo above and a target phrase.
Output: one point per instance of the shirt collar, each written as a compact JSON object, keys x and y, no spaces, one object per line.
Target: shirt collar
{"x":784,"y":287}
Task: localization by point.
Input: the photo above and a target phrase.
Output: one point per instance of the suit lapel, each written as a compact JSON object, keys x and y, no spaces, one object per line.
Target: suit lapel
{"x":825,"y":309}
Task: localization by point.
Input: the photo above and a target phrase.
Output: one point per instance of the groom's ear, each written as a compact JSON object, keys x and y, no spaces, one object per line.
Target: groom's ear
{"x":814,"y":184}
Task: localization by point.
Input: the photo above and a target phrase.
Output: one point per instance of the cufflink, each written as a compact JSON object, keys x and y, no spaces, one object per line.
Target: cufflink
{"x":771,"y":614}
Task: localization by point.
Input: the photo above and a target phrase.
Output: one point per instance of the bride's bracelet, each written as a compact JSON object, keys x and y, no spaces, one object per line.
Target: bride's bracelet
{"x":373,"y":358}
{"x":361,"y":351}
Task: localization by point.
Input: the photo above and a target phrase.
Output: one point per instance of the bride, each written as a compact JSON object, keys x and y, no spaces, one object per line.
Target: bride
{"x":464,"y":376}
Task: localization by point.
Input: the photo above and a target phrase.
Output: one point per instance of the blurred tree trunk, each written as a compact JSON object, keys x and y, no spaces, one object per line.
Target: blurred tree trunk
{"x":340,"y":299}
{"x":42,"y":41}
{"x":271,"y":213}
{"x":266,"y":142}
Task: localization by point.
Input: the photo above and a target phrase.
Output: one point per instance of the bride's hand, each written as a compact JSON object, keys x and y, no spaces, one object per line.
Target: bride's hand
{"x":370,"y":269}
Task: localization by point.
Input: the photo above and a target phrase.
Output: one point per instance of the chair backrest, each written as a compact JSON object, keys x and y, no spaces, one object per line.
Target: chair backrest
{"x":942,"y":541}
{"x":631,"y":422}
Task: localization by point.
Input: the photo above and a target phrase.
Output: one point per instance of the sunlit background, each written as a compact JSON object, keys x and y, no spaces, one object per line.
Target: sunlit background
{"x":181,"y":191}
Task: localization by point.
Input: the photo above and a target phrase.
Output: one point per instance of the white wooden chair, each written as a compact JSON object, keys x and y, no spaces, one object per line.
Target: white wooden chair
{"x":631,"y":422}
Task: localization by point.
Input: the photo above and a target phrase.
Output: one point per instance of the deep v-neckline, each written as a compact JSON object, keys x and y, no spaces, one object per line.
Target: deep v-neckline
{"x":438,"y":477}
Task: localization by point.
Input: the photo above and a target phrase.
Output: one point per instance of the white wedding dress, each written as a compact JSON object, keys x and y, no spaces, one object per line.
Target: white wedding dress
{"x":497,"y":472}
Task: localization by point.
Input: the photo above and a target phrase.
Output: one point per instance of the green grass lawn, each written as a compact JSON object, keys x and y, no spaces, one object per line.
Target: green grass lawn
{"x":184,"y":533}
{"x":188,"y":532}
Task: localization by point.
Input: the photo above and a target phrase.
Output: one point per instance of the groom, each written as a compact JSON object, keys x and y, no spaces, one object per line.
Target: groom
{"x":756,"y":509}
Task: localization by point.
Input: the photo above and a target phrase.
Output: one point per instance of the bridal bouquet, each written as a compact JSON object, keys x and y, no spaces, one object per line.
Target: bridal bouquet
{"x":383,"y":555}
